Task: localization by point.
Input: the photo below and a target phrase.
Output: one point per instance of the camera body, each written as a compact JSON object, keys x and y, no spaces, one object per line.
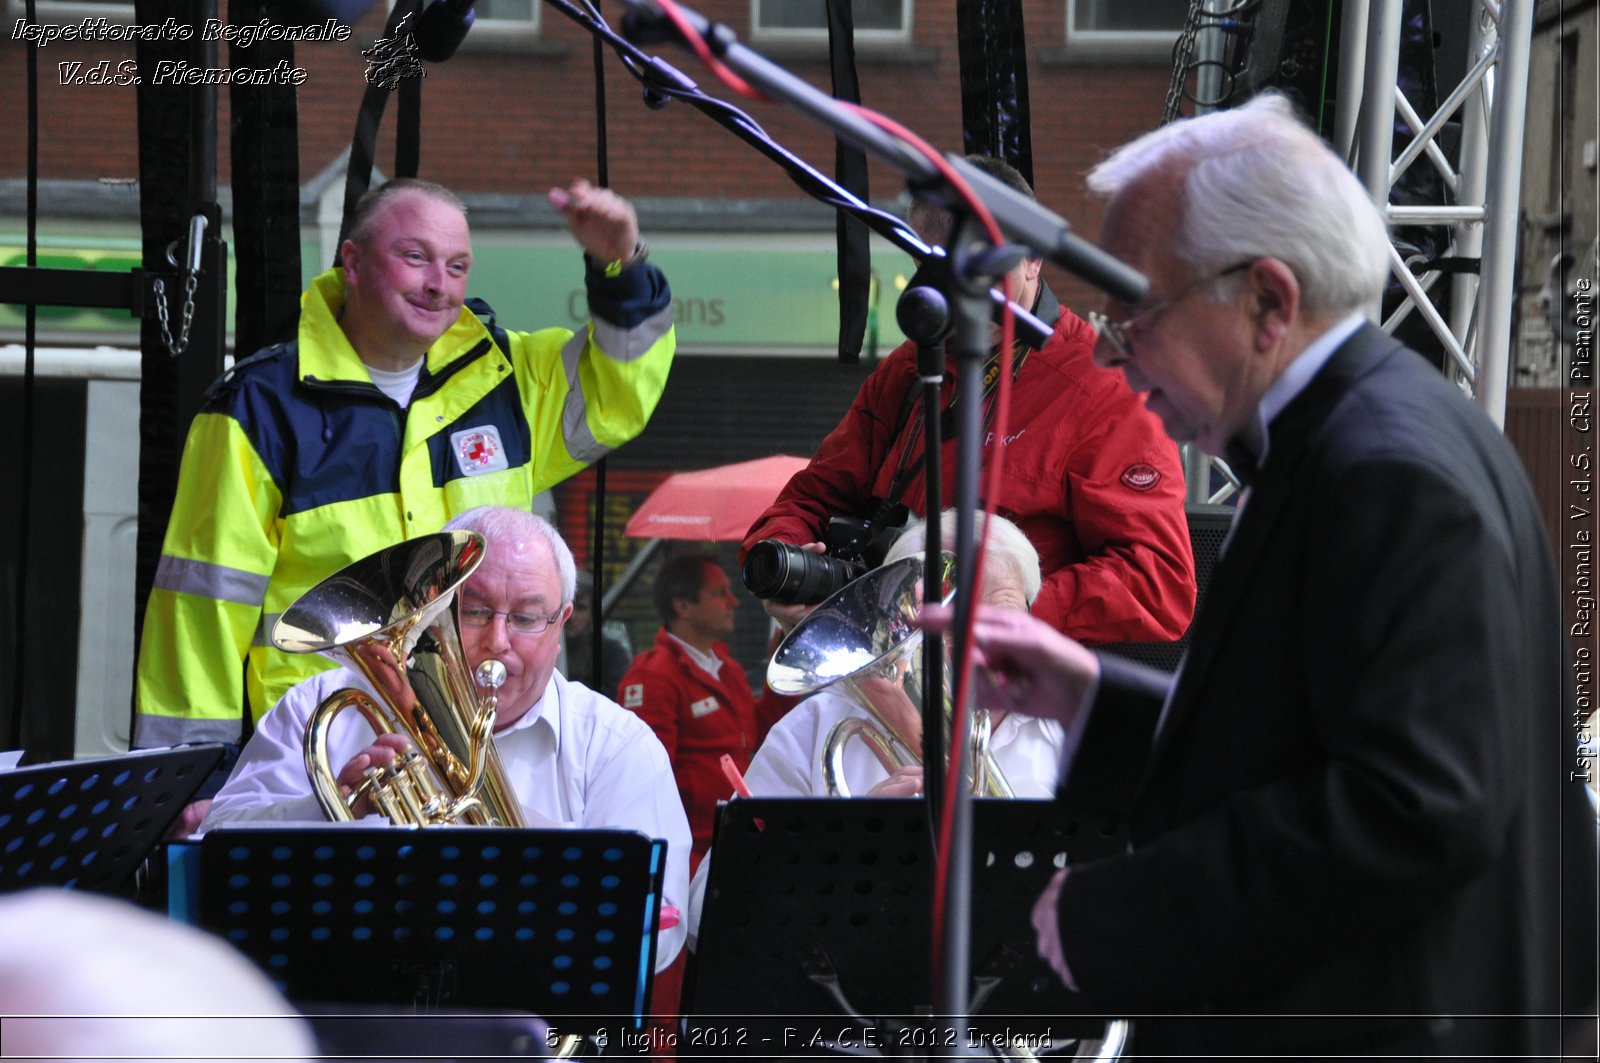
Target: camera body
{"x":784,"y":572}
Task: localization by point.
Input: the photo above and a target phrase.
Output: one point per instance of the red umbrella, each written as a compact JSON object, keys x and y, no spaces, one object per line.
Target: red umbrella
{"x":716,"y":504}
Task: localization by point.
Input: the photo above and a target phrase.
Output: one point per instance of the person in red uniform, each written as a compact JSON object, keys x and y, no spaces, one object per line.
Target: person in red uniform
{"x":1090,"y":476}
{"x":691,"y":692}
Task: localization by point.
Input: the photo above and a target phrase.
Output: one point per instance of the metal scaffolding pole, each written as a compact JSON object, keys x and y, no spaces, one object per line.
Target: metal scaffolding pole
{"x":1503,"y":194}
{"x":1489,"y":105}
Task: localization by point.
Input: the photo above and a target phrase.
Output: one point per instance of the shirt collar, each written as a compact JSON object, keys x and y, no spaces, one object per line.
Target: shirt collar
{"x":547,"y":710}
{"x":708,"y":662}
{"x":1292,"y":381}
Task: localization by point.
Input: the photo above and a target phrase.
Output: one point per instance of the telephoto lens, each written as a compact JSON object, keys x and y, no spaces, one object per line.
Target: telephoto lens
{"x":786,"y":573}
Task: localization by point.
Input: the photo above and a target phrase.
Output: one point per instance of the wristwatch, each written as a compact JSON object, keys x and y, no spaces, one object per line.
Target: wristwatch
{"x":617,"y":265}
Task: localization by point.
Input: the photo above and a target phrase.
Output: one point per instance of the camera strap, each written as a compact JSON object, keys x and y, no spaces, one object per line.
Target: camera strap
{"x":905,"y":466}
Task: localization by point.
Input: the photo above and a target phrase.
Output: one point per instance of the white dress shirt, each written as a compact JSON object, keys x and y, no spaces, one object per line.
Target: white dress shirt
{"x":789,"y":762}
{"x":575,"y":760}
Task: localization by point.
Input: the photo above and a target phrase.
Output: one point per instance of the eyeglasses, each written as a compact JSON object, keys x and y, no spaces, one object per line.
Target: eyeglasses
{"x":1116,"y":332}
{"x":521,"y":623}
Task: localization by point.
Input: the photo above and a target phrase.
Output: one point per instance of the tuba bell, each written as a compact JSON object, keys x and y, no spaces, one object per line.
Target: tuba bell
{"x":390,"y":616}
{"x":862,"y":639}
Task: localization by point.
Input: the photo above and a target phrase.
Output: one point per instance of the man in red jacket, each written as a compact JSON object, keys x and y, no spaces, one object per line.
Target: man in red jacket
{"x":691,"y":692}
{"x":1090,"y":476}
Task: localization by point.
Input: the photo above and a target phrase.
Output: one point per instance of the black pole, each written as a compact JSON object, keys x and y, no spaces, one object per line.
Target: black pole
{"x":923,"y":313}
{"x":602,"y":170}
{"x":971,"y":347}
{"x":177,"y":183}
{"x":19,"y":626}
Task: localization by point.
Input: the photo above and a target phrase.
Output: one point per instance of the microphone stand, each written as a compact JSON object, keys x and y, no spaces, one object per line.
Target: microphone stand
{"x":1020,"y":219}
{"x":923,"y":313}
{"x":972,"y":273}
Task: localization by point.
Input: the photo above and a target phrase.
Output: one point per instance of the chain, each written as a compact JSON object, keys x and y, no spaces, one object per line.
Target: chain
{"x":1234,"y":17}
{"x":1182,"y":53}
{"x":181,"y":344}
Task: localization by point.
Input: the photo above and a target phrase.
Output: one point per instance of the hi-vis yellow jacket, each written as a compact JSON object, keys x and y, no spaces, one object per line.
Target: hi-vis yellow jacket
{"x":298,"y":465}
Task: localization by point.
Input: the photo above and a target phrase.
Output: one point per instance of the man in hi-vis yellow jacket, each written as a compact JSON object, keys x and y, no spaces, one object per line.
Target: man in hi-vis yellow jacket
{"x":400,"y":404}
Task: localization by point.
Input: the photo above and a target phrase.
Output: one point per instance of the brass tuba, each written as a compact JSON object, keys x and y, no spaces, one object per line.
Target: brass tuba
{"x":390,"y":617}
{"x":862,"y":638}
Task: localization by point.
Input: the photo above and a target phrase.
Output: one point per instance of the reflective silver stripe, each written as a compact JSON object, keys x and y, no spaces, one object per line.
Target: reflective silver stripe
{"x":617,"y":343}
{"x":151,"y":731}
{"x":631,"y":344}
{"x":581,"y":443}
{"x":264,"y":629}
{"x":211,"y":581}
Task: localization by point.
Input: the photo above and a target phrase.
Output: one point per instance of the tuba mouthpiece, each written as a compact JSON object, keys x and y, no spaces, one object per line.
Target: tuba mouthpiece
{"x":491,"y":674}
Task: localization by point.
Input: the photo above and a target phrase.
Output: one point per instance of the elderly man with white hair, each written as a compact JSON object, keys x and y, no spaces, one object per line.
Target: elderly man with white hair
{"x":1357,"y":831}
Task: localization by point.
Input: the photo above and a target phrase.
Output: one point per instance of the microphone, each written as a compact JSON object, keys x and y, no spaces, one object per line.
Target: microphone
{"x":1048,"y":234}
{"x":932,"y":275}
{"x":441,"y":28}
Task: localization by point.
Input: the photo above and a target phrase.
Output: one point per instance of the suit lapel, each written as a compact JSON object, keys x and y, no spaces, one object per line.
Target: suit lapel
{"x":1231,"y":581}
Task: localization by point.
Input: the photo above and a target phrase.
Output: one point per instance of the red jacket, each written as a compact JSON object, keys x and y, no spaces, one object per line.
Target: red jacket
{"x":1090,"y":477}
{"x":698,"y":719}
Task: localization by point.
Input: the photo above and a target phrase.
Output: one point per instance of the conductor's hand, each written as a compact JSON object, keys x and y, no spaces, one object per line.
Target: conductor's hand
{"x":601,"y":221}
{"x":788,"y":615}
{"x":905,"y":782}
{"x":1024,"y":664}
{"x":1047,"y":928}
{"x":380,"y":754}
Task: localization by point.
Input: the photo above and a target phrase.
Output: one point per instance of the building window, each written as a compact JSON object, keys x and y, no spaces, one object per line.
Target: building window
{"x":507,"y":16}
{"x":500,"y":25}
{"x":1116,"y":30}
{"x":807,"y":20}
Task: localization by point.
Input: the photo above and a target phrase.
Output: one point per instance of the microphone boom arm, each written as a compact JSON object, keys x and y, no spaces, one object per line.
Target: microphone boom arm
{"x":664,"y":81}
{"x":1022,"y":219}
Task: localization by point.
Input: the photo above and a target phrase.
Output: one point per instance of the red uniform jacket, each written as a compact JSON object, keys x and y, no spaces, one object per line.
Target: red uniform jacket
{"x":698,"y":719}
{"x":1090,"y":477}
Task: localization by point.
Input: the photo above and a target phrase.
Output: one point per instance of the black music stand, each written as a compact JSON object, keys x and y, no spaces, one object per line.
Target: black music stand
{"x":559,"y":923}
{"x":88,"y":824}
{"x":815,"y":932}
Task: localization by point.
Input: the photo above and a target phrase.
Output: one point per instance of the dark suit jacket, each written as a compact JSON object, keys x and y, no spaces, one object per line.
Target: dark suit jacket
{"x":1358,"y":803}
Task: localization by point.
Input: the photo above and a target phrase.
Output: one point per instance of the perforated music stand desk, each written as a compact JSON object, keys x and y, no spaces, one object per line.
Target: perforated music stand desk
{"x":808,"y":893}
{"x":555,"y":922}
{"x":88,"y":824}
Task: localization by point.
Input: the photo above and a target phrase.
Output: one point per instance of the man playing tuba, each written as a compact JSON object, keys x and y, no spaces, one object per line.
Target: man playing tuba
{"x":572,"y":758}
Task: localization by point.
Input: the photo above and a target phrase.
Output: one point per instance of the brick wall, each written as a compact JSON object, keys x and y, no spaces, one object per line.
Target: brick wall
{"x":518,"y":122}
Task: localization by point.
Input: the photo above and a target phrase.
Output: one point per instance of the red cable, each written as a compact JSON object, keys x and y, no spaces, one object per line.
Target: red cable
{"x":697,"y":44}
{"x":996,"y":464}
{"x":959,"y":715}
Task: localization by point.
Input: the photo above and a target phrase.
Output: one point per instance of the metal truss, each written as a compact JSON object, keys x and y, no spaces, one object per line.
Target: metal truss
{"x":1484,"y":178}
{"x":1381,"y":134}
